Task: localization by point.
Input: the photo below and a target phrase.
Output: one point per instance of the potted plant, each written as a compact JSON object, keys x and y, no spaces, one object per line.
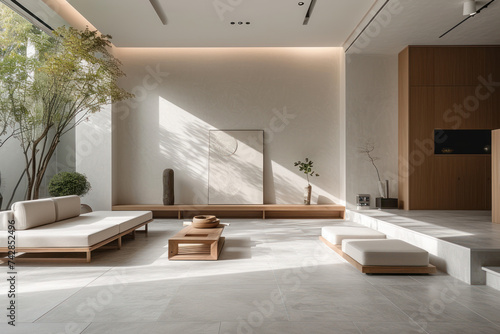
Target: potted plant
{"x":70,"y":183}
{"x":306,"y":168}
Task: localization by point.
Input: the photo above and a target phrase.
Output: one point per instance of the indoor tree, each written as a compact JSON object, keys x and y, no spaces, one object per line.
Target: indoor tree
{"x":48,"y":85}
{"x":13,"y":31}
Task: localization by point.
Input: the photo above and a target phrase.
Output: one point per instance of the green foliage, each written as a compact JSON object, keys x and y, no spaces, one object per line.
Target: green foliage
{"x":306,"y":168}
{"x":68,"y":183}
{"x":49,"y":84}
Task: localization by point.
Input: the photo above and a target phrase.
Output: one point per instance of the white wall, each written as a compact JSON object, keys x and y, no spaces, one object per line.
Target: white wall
{"x":372,"y":115}
{"x":93,"y":157}
{"x":183,"y":93}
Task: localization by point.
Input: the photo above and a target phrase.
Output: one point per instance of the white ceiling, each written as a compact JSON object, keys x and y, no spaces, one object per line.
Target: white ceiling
{"x":197,"y":23}
{"x":278,"y":23}
{"x":421,"y":22}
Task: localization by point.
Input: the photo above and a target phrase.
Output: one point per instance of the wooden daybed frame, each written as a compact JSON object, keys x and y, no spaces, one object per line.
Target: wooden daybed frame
{"x":46,"y":251}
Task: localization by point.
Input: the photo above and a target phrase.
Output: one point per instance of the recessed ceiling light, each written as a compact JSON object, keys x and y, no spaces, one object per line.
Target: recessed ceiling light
{"x":301,"y":3}
{"x":240,"y":22}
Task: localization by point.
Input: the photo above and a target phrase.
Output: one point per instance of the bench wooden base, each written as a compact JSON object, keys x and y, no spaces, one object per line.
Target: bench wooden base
{"x":45,"y":254}
{"x":269,"y":211}
{"x":430,"y":269}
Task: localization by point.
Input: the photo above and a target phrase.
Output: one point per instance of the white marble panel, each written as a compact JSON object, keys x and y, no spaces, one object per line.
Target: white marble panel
{"x":236,"y":167}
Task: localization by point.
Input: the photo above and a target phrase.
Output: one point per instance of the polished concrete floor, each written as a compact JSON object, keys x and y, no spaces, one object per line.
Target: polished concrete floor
{"x":274,"y":276}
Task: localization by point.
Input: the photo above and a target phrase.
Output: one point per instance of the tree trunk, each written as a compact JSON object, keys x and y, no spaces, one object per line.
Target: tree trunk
{"x":31,"y":176}
{"x":44,"y":163}
{"x":15,"y":190}
{"x":41,"y":174}
{"x":34,"y":178}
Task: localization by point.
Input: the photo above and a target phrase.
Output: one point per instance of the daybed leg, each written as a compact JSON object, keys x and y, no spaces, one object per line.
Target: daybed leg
{"x":146,"y":228}
{"x":88,"y":256}
{"x":119,"y":242}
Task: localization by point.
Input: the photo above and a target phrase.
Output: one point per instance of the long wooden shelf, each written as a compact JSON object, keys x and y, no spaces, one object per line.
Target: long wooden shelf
{"x":239,"y":211}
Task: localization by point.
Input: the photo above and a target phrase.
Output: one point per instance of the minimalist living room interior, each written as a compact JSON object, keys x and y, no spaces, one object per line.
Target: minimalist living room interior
{"x":248,"y":166}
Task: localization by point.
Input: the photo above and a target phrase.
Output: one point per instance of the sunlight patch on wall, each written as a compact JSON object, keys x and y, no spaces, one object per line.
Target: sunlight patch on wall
{"x":290,"y":188}
{"x":188,"y":156}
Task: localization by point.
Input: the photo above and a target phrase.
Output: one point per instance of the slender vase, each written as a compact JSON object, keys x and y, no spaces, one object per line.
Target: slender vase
{"x":383,"y":188}
{"x":307,"y":194}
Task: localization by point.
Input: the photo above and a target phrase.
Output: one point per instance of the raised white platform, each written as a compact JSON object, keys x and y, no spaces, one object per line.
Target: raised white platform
{"x":492,"y":277}
{"x":459,"y":242}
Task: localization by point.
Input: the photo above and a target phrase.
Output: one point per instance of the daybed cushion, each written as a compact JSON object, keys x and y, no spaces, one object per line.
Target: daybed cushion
{"x":74,"y":232}
{"x":5,"y":216}
{"x":82,"y":231}
{"x":29,"y":214}
{"x":67,"y":207}
{"x":388,"y":252}
{"x":335,"y":234}
{"x":124,"y":219}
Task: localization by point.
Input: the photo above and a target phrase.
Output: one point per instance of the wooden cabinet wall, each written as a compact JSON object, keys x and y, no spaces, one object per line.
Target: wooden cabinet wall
{"x":444,"y":88}
{"x":495,"y":170}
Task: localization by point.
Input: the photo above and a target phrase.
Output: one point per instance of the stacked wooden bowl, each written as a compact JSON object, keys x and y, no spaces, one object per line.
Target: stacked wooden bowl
{"x":205,"y":222}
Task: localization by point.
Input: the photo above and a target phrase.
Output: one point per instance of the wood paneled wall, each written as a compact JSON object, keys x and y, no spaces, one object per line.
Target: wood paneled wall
{"x":445,"y":88}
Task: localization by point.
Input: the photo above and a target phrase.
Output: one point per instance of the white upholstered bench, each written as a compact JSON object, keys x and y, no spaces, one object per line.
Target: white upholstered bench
{"x":55,"y":225}
{"x":370,"y":252}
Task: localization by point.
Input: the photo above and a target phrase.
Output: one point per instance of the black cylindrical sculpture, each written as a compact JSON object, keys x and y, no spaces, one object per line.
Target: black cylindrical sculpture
{"x":1,"y":197}
{"x":168,"y":187}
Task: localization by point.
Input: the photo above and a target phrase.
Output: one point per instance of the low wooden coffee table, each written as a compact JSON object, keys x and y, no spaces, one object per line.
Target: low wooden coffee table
{"x":196,"y":244}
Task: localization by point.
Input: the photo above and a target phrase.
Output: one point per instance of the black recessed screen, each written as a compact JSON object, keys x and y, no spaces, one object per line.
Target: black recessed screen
{"x":462,"y":141}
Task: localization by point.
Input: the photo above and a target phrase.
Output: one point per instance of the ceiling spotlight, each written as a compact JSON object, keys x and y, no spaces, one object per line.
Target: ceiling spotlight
{"x":470,"y":7}
{"x":301,"y":3}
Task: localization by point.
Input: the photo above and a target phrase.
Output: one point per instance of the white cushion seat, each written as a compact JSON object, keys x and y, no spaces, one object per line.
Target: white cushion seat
{"x":124,"y":219}
{"x":335,"y":234}
{"x":82,"y":231}
{"x":388,"y":252}
{"x":5,"y":217}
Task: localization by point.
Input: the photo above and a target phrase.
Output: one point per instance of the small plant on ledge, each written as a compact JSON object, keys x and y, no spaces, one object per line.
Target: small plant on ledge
{"x":307,"y":168}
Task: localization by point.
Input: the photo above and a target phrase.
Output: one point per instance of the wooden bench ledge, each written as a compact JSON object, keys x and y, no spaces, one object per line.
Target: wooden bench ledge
{"x":181,"y":211}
